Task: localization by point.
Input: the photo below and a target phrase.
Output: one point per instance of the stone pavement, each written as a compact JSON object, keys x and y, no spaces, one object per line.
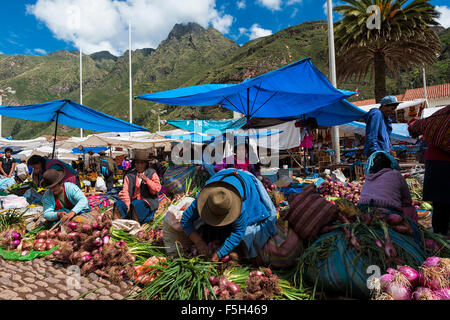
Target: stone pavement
{"x":47,"y":280}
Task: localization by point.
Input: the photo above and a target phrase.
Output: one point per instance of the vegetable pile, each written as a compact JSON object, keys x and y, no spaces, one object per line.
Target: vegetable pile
{"x":223,"y":288}
{"x":260,"y":285}
{"x":11,"y":240}
{"x":349,"y":191}
{"x":432,"y":282}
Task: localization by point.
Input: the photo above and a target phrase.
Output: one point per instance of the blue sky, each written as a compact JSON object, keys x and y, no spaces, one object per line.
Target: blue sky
{"x":43,"y":26}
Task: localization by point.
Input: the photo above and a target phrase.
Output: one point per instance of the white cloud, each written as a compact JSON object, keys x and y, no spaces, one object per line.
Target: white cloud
{"x":274,"y":5}
{"x":1,"y":52}
{"x":444,"y":19}
{"x":242,"y":31}
{"x":257,"y":32}
{"x":103,"y":24}
{"x":241,"y":4}
{"x":291,"y":2}
{"x":294,"y":13}
{"x":40,"y":51}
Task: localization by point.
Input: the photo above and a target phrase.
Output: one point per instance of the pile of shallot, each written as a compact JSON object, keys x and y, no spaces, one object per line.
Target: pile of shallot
{"x":431,"y":282}
{"x":224,"y":289}
{"x":337,"y":189}
{"x":11,"y":240}
{"x":260,"y":285}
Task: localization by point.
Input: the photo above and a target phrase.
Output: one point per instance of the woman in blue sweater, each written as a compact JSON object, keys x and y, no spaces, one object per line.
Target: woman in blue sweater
{"x":235,"y":208}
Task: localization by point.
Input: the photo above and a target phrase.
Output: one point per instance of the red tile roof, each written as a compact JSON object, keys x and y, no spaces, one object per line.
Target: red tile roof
{"x":433,"y":92}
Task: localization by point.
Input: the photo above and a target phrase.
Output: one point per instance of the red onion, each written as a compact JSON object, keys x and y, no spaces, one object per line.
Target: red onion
{"x":411,"y":274}
{"x":398,"y":291}
{"x":423,"y":293}
{"x":216,"y":290}
{"x":379,"y":243}
{"x":97,"y":233}
{"x":16,"y":243}
{"x":73,"y":236}
{"x":42,"y":235}
{"x":72,"y":225}
{"x":95,"y":225}
{"x":16,"y":235}
{"x":87,"y":228}
{"x":431,"y":262}
{"x":105,"y":232}
{"x":56,"y":252}
{"x":389,"y":248}
{"x":86,"y":258}
{"x":433,"y":278}
{"x":97,"y":242}
{"x":24,"y":253}
{"x":225,"y":259}
{"x":385,"y":279}
{"x":234,"y":288}
{"x":432,"y":245}
{"x":443,"y":293}
{"x":223,"y":282}
{"x":213,"y":280}
{"x":391,"y":271}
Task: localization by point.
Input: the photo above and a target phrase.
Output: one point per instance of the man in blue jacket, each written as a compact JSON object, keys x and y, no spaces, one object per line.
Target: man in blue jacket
{"x":233,"y":203}
{"x":379,"y":126}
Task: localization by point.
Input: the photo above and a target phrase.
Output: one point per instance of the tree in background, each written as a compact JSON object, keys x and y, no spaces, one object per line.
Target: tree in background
{"x":400,"y":39}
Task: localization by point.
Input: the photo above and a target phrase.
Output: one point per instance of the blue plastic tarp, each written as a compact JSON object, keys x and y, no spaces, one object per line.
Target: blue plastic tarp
{"x":87,"y":149}
{"x":296,"y":89}
{"x":70,"y":114}
{"x":399,"y":130}
{"x":203,"y":126}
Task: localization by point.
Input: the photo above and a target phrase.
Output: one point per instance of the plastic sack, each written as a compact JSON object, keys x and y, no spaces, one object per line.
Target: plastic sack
{"x":337,"y":175}
{"x":130,"y":226}
{"x":173,"y":238}
{"x":100,"y":184}
{"x":13,"y":202}
{"x":175,"y":212}
{"x":33,"y":196}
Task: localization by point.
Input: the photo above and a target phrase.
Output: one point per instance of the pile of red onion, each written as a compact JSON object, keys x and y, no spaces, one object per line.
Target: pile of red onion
{"x":11,"y":240}
{"x":432,"y":282}
{"x":349,"y":191}
{"x":223,"y":288}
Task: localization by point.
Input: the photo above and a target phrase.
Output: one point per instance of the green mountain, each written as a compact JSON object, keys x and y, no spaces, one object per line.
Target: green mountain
{"x":190,"y":55}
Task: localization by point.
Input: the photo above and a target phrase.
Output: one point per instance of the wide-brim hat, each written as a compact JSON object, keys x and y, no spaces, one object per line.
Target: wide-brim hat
{"x":219,"y":204}
{"x":102,"y":152}
{"x":390,"y":101}
{"x":141,"y":154}
{"x":51,"y":178}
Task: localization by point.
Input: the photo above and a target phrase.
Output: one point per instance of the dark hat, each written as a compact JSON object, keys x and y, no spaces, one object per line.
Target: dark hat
{"x":51,"y":178}
{"x":389,"y":101}
{"x":141,"y":154}
{"x":219,"y":203}
{"x":102,"y":153}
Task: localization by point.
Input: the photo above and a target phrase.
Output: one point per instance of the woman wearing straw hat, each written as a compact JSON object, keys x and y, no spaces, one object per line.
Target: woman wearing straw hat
{"x":236,"y":210}
{"x":139,"y":196}
{"x":63,"y":200}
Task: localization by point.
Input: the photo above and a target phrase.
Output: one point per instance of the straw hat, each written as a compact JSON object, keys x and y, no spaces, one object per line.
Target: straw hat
{"x":219,"y":204}
{"x":141,"y":154}
{"x":102,"y":153}
{"x":51,"y":178}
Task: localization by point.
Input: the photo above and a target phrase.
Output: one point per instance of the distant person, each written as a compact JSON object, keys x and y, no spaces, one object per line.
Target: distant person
{"x":379,"y":126}
{"x":436,"y":185}
{"x":91,"y":162}
{"x":42,"y":164}
{"x":22,"y":171}
{"x":108,"y":168}
{"x":8,"y":164}
{"x":139,"y":196}
{"x":126,"y":163}
{"x":63,"y":200}
{"x":307,"y":136}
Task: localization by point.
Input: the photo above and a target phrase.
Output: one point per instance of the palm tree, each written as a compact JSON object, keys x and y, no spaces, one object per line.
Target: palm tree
{"x":405,"y":39}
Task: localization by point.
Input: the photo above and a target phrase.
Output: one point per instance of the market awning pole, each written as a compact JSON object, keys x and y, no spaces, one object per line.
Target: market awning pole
{"x":81,"y":84}
{"x":425,"y":93}
{"x":54,"y":138}
{"x":131,"y":79}
{"x":332,"y":58}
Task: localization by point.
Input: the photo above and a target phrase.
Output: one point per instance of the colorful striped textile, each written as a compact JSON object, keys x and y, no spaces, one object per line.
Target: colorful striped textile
{"x":162,"y":199}
{"x":174,"y":179}
{"x":435,"y":129}
{"x":282,"y":249}
{"x":99,"y":201}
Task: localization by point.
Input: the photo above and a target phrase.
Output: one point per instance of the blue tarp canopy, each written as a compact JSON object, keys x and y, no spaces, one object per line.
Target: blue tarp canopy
{"x":70,"y":114}
{"x":294,"y":90}
{"x":87,"y":149}
{"x":399,"y":130}
{"x":203,"y":126}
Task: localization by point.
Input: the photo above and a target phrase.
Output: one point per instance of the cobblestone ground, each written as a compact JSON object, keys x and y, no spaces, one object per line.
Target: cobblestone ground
{"x":46,"y":280}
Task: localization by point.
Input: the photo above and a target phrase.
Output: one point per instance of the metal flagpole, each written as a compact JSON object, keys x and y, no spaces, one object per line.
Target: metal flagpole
{"x":334,"y":130}
{"x":131,"y":82}
{"x":81,"y":84}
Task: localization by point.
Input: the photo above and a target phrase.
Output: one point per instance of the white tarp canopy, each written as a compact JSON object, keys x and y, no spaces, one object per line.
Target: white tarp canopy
{"x":33,"y":143}
{"x":402,"y":105}
{"x":429,"y":111}
{"x":399,"y":130}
